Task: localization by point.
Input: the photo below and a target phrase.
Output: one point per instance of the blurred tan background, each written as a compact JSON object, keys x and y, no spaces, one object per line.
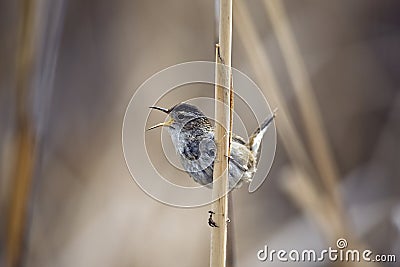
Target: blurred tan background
{"x":82,"y":208}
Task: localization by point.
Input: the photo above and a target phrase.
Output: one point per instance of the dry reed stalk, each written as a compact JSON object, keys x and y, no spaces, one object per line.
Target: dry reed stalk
{"x":266,"y":78}
{"x":223,"y":110}
{"x":308,"y":105}
{"x":309,"y":111}
{"x":289,"y":136}
{"x":24,"y":136}
{"x":39,"y":38}
{"x":300,"y":186}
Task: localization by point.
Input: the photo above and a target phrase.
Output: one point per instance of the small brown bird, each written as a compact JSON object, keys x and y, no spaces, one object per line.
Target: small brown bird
{"x":193,"y":137}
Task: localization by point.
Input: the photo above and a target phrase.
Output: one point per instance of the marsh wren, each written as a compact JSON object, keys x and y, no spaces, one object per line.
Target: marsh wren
{"x":192,"y":135}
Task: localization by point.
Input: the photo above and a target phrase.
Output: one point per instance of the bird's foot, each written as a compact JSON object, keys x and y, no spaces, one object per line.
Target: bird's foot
{"x":211,"y":221}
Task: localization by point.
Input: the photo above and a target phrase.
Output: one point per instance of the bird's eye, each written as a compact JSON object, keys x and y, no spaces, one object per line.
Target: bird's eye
{"x":180,"y":117}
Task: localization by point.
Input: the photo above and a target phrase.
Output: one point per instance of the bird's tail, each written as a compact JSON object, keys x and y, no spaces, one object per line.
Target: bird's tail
{"x":256,"y":138}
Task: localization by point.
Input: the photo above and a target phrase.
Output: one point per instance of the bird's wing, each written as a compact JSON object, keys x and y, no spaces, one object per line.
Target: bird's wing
{"x":239,"y":139}
{"x":241,"y":156}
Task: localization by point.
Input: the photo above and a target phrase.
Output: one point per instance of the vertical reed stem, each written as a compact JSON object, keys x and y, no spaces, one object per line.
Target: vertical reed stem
{"x":223,"y":110}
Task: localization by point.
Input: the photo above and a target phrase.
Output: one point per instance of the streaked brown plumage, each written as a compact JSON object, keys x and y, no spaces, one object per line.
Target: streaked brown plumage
{"x":193,"y":137}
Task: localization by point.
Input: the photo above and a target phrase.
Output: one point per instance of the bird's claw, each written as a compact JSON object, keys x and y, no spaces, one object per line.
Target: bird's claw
{"x":211,"y":221}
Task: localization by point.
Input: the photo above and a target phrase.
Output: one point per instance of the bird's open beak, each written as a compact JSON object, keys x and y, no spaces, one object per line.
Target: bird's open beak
{"x":167,"y":123}
{"x":161,"y":109}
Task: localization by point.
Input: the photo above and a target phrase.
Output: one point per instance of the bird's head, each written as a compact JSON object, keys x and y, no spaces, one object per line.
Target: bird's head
{"x":179,"y":116}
